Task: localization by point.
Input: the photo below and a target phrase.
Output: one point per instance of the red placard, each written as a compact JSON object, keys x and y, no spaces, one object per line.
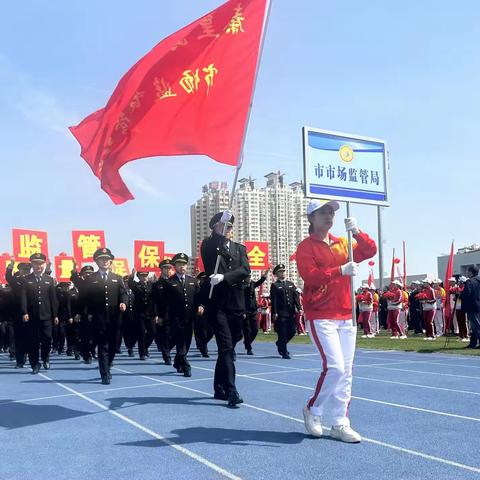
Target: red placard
{"x":147,"y":255}
{"x":28,"y":242}
{"x":4,"y":261}
{"x":63,"y":267}
{"x":85,"y":243}
{"x":257,"y":253}
{"x":120,"y":267}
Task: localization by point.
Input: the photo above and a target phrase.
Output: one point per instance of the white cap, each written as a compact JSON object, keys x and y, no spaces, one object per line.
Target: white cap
{"x":427,"y":280}
{"x":365,"y":285}
{"x":462,"y":279}
{"x":397,"y":282}
{"x":316,"y":204}
{"x":452,"y":279}
{"x":436,"y":280}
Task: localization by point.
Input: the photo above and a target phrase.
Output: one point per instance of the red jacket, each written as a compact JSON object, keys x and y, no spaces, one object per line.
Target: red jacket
{"x":326,"y":293}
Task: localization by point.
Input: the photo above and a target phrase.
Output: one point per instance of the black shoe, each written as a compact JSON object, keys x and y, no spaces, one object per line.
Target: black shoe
{"x":147,"y":353}
{"x":95,"y":356}
{"x":11,"y":356}
{"x":234,"y":399}
{"x":69,"y":353}
{"x":77,"y":356}
{"x":180,"y":369}
{"x":46,"y":365}
{"x":287,"y":356}
{"x":234,"y":356}
{"x":187,"y":372}
{"x":142,"y":357}
{"x":249,"y":352}
{"x":168,"y":361}
{"x":220,"y":395}
{"x":88,"y":360}
{"x":130,"y":353}
{"x":105,"y":381}
{"x":109,"y":375}
{"x":35,"y":369}
{"x":205,"y":355}
{"x":118,"y":351}
{"x":19,"y":365}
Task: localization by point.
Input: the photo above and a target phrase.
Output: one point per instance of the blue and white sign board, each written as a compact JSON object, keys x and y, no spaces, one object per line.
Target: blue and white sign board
{"x":344,"y":167}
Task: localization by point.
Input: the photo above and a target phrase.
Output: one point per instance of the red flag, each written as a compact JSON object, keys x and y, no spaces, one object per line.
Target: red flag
{"x":404,"y":267}
{"x":392,"y":271}
{"x":188,"y":96}
{"x":448,"y":275}
{"x":371,"y":279}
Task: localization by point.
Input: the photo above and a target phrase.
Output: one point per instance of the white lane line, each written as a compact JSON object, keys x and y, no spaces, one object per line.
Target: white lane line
{"x":368,"y":440}
{"x":426,"y":373}
{"x":179,"y":448}
{"x":133,"y":387}
{"x":468,"y":392}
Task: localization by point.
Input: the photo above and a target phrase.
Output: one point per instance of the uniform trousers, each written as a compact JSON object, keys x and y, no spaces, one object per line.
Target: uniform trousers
{"x":182,"y":334}
{"x":227,"y":327}
{"x":286,"y":328}
{"x":146,"y":328}
{"x":365,"y":319}
{"x":250,"y":329}
{"x":392,"y":321}
{"x":105,"y":335}
{"x":39,"y":339}
{"x":335,"y":341}
{"x":428,"y":322}
{"x":203,"y":333}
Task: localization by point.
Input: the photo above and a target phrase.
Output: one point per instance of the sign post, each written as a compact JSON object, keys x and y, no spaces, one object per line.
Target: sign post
{"x":348,"y":168}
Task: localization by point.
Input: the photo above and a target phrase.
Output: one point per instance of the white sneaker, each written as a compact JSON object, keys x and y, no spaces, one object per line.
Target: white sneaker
{"x":313,"y":424}
{"x":464,"y":340}
{"x":393,"y":337}
{"x":364,"y":336}
{"x":371,"y":335}
{"x":403,"y":337}
{"x":345,"y":434}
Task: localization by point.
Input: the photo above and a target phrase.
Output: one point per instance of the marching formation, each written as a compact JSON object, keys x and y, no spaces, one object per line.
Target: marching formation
{"x":91,"y":316}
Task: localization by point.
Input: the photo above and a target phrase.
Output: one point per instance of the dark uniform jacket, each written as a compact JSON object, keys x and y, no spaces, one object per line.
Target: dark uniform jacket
{"x":103,"y":298}
{"x":229,"y":294}
{"x":471,"y":295}
{"x":143,"y":303}
{"x":284,"y":297}
{"x":7,"y":304}
{"x":180,"y":301}
{"x":158,"y":294}
{"x":15,"y":282}
{"x":66,"y":303}
{"x":39,"y":299}
{"x":251,"y":305}
{"x":81,"y":286}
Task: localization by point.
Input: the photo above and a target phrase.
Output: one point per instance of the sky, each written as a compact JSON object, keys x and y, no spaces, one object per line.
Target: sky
{"x":404,"y":71}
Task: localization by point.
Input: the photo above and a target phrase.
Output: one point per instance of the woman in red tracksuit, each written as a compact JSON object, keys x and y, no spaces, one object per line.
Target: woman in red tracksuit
{"x":428,"y":301}
{"x":322,"y":261}
{"x":365,"y":305}
{"x":394,"y":298}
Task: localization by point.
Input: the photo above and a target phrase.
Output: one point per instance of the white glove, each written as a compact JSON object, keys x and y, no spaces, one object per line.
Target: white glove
{"x":216,"y":279}
{"x":226,"y":216}
{"x":351,"y":225}
{"x":350,"y":269}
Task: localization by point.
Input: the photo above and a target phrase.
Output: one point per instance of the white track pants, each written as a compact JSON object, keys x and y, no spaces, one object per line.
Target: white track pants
{"x":335,"y":340}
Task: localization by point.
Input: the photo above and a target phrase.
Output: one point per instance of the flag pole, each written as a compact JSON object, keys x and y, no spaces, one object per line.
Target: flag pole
{"x":268,"y":8}
{"x":350,"y":259}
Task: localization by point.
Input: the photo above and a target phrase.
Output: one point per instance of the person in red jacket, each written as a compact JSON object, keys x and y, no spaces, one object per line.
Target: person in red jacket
{"x":428,"y":301}
{"x":394,"y":298}
{"x":365,"y":306}
{"x":322,"y":261}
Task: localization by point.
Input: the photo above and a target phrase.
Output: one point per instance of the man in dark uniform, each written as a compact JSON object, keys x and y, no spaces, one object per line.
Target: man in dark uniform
{"x":15,"y":282}
{"x":285,"y":304}
{"x":129,"y":327}
{"x":144,"y":311}
{"x":7,"y":315}
{"x":164,"y":332}
{"x":105,"y":298}
{"x":181,"y":302}
{"x":226,"y":307}
{"x":83,"y":322}
{"x":202,"y":329}
{"x":249,"y":325}
{"x":39,"y":310}
{"x":65,"y":314}
{"x":415,"y":308}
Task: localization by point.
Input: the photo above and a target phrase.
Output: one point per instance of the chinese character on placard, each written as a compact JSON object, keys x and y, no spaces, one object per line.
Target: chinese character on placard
{"x":28,"y":242}
{"x":63,"y":268}
{"x":352,"y":174}
{"x":331,"y":172}
{"x":257,"y":253}
{"x":148,"y":255}
{"x":364,"y":175}
{"x":120,"y":267}
{"x":342,"y":173}
{"x":374,"y":177}
{"x":319,"y":170}
{"x":85,"y":244}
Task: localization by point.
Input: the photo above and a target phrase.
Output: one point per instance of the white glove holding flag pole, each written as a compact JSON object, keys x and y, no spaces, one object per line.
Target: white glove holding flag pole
{"x":215,"y":279}
{"x":351,"y":225}
{"x":349,"y":269}
{"x":226,"y":216}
